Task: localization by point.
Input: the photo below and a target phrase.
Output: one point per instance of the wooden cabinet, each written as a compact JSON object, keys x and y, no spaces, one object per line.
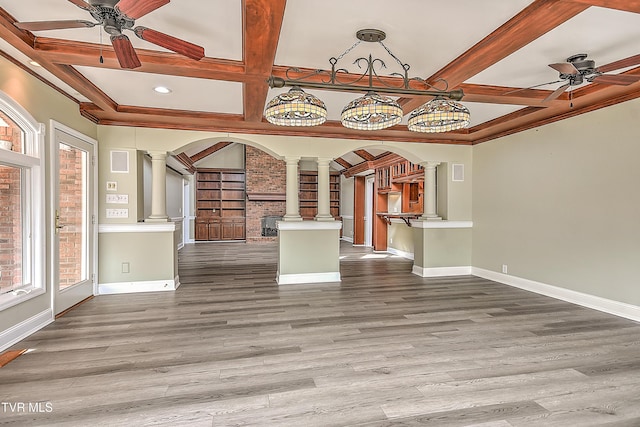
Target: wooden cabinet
{"x":308,"y":194}
{"x":220,"y":204}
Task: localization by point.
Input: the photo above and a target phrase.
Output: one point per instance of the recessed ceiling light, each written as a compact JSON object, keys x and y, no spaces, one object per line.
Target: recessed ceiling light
{"x":35,"y":64}
{"x":162,"y":89}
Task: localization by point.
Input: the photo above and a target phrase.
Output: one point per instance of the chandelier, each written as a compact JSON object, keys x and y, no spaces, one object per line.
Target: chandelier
{"x":373,"y":111}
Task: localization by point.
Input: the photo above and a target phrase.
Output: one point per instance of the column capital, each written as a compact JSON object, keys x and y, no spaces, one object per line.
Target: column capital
{"x":323,"y":160}
{"x":428,"y":164}
{"x":157,"y":154}
{"x":290,"y":160}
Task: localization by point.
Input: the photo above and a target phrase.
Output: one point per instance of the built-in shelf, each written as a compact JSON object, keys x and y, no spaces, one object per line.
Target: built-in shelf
{"x":220,"y":204}
{"x":266,"y":197}
{"x":308,"y":194}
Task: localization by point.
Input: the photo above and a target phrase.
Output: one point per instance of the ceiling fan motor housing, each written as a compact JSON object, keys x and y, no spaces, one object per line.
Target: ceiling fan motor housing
{"x":110,"y":18}
{"x":583,"y":65}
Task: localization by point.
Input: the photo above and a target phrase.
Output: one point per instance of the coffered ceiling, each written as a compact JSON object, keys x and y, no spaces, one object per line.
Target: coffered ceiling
{"x":489,"y":48}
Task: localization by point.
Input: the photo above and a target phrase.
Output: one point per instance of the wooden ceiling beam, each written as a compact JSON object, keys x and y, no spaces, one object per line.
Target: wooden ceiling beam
{"x":364,"y":154}
{"x":216,"y":122}
{"x":538,"y":18}
{"x":24,"y":41}
{"x":262,"y":21}
{"x":186,"y":161}
{"x":342,"y":162}
{"x":88,"y":54}
{"x":626,"y":5}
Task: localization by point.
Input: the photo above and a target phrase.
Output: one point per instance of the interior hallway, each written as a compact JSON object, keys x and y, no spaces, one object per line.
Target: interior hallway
{"x":383,"y":347}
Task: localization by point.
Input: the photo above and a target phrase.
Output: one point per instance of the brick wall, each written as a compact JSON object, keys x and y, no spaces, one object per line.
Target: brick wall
{"x":264,"y":174}
{"x":71,"y":215}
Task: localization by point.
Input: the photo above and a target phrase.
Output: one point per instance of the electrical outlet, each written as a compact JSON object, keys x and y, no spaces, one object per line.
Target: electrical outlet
{"x":504,"y":268}
{"x":125,"y":267}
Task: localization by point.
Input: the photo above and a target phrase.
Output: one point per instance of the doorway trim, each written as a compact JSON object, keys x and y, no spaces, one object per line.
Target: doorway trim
{"x":54,"y":127}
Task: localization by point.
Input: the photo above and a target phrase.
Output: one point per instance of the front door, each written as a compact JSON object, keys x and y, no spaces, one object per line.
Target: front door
{"x":74,"y":241}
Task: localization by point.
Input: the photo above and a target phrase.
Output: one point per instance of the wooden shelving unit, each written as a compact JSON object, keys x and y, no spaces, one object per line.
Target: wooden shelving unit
{"x":308,"y":194}
{"x":220,"y":204}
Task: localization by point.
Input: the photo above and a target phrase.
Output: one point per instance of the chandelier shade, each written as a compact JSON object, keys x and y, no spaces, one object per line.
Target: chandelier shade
{"x":296,"y":108}
{"x":371,"y":112}
{"x":439,"y":115}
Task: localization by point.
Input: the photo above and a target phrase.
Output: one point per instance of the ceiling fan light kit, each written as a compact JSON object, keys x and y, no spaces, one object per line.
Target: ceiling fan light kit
{"x":115,"y":16}
{"x":372,"y":111}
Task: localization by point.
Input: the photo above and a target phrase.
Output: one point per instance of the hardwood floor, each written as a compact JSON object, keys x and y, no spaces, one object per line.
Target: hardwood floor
{"x":382,"y":348}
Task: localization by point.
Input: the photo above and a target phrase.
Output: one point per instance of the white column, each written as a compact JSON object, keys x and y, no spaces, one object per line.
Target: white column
{"x":293,"y":207}
{"x":430,"y":194}
{"x":324,"y":194}
{"x":158,"y":186}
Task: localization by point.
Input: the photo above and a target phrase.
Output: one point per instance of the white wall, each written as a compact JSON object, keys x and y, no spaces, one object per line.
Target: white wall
{"x":560,"y":204}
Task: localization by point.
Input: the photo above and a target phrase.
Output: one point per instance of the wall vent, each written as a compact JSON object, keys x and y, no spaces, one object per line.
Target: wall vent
{"x":458,"y":172}
{"x":120,"y":162}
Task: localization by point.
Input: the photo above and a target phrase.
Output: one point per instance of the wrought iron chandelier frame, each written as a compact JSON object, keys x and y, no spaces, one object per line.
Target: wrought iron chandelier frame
{"x":332,"y":79}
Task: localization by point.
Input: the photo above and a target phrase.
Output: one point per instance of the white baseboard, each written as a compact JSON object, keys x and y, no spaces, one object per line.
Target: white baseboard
{"x":25,"y":328}
{"x":347,"y":239}
{"x":290,"y":279}
{"x":441,"y":271}
{"x":616,"y":308}
{"x":403,"y":254}
{"x":133,"y":287}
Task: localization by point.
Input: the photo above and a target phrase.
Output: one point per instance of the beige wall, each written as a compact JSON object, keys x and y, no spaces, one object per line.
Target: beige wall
{"x":400,"y":236}
{"x":346,"y":206}
{"x":230,"y":157}
{"x":560,"y":204}
{"x":44,"y":104}
{"x":308,"y":251}
{"x":150,"y":256}
{"x":442,"y":247}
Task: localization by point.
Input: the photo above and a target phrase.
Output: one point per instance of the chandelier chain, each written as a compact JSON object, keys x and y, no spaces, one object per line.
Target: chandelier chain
{"x":348,"y":50}
{"x":402,"y":64}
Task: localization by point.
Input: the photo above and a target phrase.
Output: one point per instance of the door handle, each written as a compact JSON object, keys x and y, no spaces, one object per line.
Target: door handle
{"x":58,"y":226}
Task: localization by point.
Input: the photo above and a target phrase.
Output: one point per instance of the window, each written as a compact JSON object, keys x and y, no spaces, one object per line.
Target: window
{"x":21,"y":205}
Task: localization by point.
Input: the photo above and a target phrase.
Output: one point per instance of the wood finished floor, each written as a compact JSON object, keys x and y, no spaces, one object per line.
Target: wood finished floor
{"x":382,"y":348}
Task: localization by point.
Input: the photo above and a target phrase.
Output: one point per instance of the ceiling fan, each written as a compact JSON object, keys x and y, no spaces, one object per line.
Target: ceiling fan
{"x":118,"y":15}
{"x":578,"y":69}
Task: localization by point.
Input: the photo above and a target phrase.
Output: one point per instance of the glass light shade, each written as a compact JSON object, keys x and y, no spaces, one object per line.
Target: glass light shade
{"x":439,"y":115}
{"x":296,"y":108}
{"x":371,"y":112}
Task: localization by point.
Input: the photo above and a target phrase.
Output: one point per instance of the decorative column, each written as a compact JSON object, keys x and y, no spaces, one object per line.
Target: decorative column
{"x":430,"y":194}
{"x":324,"y":194}
{"x":158,"y":186}
{"x":292,"y":205}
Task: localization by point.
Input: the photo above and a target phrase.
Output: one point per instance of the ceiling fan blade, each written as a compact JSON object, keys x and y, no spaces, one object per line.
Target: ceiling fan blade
{"x":564,"y":68}
{"x":616,"y":79}
{"x":54,"y":25}
{"x":125,"y":52}
{"x":174,"y":44}
{"x":623,"y":63}
{"x":134,"y":9}
{"x":556,"y":93}
{"x":82,"y":4}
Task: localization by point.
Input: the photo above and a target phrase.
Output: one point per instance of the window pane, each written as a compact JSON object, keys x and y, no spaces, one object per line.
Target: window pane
{"x":11,"y":228}
{"x":72,"y":214}
{"x":10,"y":134}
